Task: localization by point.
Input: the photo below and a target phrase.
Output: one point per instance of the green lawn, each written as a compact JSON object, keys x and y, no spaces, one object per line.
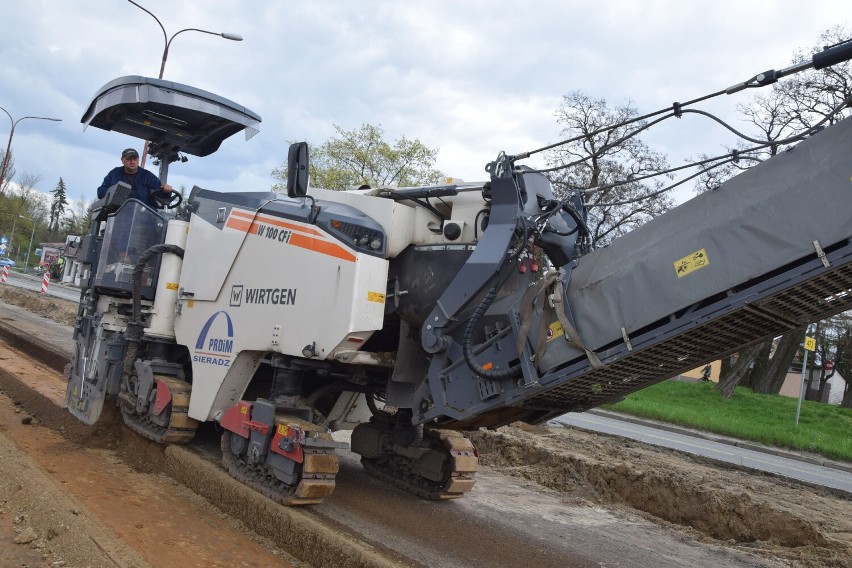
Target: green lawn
{"x":768,"y":419}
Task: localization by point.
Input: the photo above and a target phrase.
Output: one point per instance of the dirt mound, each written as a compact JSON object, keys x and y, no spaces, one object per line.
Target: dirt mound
{"x":56,"y":309}
{"x":810,"y":526}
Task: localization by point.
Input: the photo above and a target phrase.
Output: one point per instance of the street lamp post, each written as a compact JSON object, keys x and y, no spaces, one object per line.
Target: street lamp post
{"x":12,"y":240}
{"x":32,"y":235}
{"x":11,"y":134}
{"x":168,"y":42}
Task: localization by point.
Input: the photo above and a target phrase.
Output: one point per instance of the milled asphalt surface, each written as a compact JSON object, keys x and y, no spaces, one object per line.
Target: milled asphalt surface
{"x":803,"y":467}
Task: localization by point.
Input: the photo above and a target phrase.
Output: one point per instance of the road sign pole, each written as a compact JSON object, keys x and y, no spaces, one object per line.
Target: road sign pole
{"x":802,"y":388}
{"x":810,"y":345}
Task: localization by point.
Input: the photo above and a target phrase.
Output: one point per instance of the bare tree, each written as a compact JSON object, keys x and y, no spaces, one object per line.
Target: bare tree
{"x":815,"y":95}
{"x":33,"y":203}
{"x":834,"y":343}
{"x":606,"y":166}
{"x":792,"y":108}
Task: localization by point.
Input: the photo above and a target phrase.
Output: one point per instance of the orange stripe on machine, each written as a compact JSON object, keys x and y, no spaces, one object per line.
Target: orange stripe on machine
{"x":320,"y":246}
{"x":273,"y":221}
{"x":288,"y":233}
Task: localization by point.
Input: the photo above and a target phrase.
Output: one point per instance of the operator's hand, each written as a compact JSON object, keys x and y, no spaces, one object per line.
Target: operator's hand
{"x":166,"y":188}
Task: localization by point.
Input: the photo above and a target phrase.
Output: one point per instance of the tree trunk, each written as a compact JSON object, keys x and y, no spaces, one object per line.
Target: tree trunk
{"x":843,"y":364}
{"x":761,"y":364}
{"x":822,"y":380}
{"x":788,"y":346}
{"x":729,"y":381}
{"x":725,"y":366}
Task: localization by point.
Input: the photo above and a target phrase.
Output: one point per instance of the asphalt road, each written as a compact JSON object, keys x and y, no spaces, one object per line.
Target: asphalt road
{"x":788,"y":464}
{"x":33,"y":282}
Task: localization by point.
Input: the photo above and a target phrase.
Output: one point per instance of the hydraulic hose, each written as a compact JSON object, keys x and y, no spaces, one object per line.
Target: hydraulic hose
{"x":133,"y":333}
{"x":467,"y":343}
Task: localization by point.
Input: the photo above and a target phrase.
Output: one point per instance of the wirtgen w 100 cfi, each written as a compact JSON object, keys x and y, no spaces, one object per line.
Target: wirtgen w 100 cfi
{"x":413,"y":314}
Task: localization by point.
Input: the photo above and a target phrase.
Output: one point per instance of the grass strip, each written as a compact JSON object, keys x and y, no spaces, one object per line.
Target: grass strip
{"x":767,"y":419}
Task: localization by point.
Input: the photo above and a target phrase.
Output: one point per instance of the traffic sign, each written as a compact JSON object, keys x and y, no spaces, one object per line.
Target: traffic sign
{"x":810,"y":344}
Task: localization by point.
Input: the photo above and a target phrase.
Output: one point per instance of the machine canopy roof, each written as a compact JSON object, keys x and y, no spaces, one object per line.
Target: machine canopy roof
{"x":169,"y":115}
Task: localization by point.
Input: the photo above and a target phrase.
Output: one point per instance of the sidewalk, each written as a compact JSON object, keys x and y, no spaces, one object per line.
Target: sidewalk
{"x":753,"y":446}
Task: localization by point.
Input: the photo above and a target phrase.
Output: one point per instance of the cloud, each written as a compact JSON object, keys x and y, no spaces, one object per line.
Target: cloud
{"x":467,"y":78}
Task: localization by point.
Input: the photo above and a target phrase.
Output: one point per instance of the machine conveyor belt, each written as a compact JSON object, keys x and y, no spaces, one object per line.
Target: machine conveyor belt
{"x":798,"y":294}
{"x":765,"y":309}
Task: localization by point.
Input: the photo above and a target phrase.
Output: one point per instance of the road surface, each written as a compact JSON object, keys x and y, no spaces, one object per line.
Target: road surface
{"x":747,"y":455}
{"x":33,"y":282}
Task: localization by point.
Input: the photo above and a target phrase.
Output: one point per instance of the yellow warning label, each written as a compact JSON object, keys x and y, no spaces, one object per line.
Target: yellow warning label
{"x":190,"y":303}
{"x":376,"y":297}
{"x":691,"y":263}
{"x":171,"y":286}
{"x":244,"y":409}
{"x":810,"y":344}
{"x":283,"y":430}
{"x":554,"y":330}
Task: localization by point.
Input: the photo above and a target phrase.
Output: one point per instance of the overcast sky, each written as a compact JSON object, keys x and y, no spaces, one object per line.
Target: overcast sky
{"x":468,"y":78}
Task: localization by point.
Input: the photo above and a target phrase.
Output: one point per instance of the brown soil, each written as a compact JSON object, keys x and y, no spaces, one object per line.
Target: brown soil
{"x":764,"y":513}
{"x":47,"y":306}
{"x":780,"y":521}
{"x":76,"y":496}
{"x":74,"y":500}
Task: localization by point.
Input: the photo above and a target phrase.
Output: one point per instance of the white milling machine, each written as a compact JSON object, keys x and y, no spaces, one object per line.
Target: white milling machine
{"x":410,"y":315}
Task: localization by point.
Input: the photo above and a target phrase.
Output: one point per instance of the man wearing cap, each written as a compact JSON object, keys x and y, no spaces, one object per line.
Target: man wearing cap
{"x":143,"y":184}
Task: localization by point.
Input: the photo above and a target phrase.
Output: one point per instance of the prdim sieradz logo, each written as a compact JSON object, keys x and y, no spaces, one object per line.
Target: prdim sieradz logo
{"x":213,"y":347}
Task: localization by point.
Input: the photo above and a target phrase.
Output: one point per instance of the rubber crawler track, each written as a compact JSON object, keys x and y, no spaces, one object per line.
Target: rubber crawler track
{"x":461,"y":453}
{"x":316,"y":474}
{"x":181,"y":429}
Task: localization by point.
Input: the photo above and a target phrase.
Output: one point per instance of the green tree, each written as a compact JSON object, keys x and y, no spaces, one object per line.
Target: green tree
{"x":362,"y":156}
{"x":57,"y":207}
{"x":78,"y":219}
{"x":22,"y":205}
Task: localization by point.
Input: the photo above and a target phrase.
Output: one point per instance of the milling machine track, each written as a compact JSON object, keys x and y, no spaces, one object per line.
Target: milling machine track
{"x":464,"y":465}
{"x":181,"y":428}
{"x":316,"y":478}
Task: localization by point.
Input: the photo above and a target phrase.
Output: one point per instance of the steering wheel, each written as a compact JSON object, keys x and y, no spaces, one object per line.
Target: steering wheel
{"x":168,"y":200}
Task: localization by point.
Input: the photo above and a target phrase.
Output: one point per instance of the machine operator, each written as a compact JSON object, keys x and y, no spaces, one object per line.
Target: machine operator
{"x":144,"y":184}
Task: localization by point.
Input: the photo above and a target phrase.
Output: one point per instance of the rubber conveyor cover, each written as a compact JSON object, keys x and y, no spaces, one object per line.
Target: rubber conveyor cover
{"x":753,"y":224}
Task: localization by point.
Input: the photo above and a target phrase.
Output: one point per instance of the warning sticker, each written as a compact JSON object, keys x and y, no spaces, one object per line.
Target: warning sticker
{"x":171,"y":285}
{"x":554,"y":330}
{"x":376,"y":297}
{"x":691,"y":263}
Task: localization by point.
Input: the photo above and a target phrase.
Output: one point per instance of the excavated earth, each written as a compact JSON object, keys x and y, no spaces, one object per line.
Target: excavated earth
{"x":758,"y":519}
